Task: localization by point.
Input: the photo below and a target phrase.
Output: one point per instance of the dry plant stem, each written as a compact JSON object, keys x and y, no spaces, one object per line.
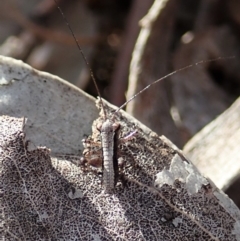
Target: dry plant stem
{"x":149,"y":63}
{"x":196,"y":94}
{"x":121,"y":71}
{"x":215,"y":149}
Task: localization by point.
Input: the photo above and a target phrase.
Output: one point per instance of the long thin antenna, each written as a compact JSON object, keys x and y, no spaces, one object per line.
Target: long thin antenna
{"x":85,"y":59}
{"x":166,"y":76}
{"x":144,"y":89}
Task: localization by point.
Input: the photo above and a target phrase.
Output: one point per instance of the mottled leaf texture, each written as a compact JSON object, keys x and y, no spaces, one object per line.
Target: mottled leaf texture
{"x":159,"y":195}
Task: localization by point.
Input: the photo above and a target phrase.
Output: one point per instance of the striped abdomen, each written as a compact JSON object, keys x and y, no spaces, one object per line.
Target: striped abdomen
{"x":109,"y":156}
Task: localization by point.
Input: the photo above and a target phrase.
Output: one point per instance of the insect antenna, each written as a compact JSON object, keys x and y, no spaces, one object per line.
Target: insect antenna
{"x":141,"y":91}
{"x":168,"y":75}
{"x":84,"y":57}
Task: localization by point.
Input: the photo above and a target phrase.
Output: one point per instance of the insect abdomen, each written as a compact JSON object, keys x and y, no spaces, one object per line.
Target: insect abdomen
{"x":107,"y":134}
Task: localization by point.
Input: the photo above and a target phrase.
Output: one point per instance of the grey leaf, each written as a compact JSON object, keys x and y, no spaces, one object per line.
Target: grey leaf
{"x":160,"y":195}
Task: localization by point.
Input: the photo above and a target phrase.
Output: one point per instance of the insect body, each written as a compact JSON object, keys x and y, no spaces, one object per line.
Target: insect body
{"x":110,"y":165}
{"x":109,"y":128}
{"x":108,"y":137}
{"x":107,"y":155}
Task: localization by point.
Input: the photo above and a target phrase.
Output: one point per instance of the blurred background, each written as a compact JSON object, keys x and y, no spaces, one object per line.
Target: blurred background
{"x":127,"y":52}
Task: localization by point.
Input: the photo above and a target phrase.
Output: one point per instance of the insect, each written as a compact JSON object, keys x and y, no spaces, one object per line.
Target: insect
{"x":106,"y":154}
{"x":108,"y":136}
